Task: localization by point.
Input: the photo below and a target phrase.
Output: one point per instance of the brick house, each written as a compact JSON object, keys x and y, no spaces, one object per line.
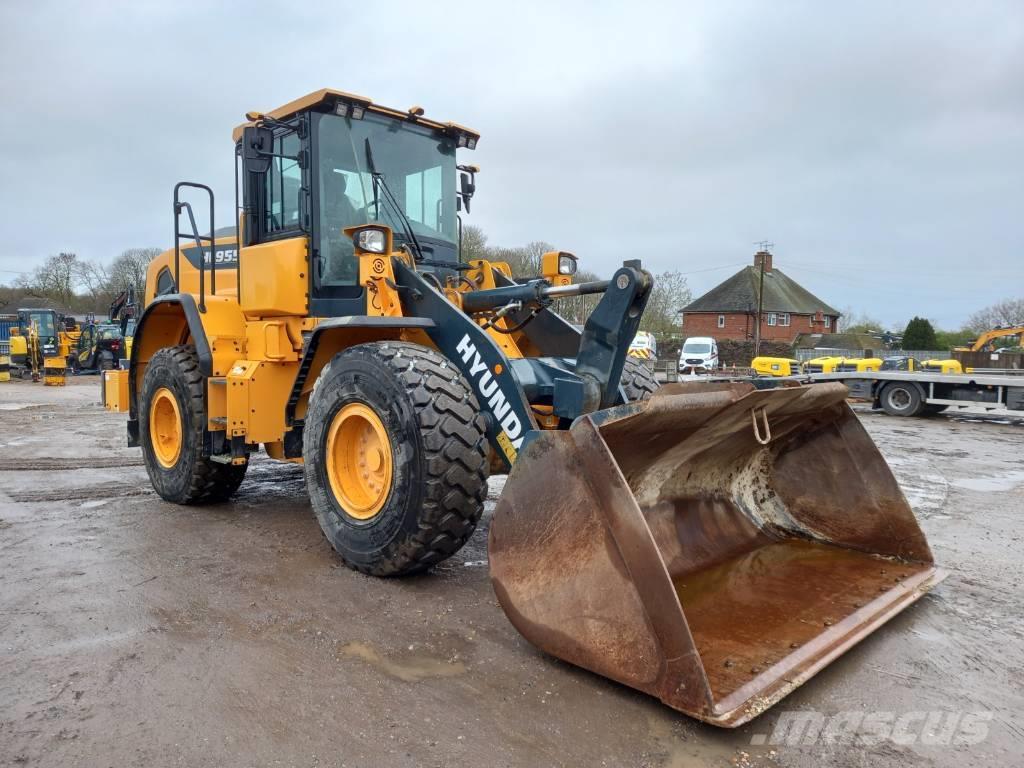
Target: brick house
{"x":729,"y":310}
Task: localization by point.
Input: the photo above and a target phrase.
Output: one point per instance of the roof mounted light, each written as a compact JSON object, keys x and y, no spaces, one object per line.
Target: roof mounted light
{"x":464,"y":138}
{"x":350,"y":108}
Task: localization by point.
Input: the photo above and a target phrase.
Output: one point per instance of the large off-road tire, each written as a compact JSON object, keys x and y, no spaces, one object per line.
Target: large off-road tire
{"x":638,"y":380}
{"x":107,"y":361}
{"x":172,"y":416}
{"x":900,"y":398}
{"x":395,"y":455}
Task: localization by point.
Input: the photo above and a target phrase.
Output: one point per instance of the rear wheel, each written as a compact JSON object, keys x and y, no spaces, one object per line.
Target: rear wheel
{"x":172,"y":416}
{"x":638,"y":380}
{"x":900,"y":398}
{"x":395,"y":456}
{"x":106,"y":361}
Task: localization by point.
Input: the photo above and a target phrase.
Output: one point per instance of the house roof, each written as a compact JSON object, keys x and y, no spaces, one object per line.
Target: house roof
{"x":781,"y":294}
{"x":838,"y":341}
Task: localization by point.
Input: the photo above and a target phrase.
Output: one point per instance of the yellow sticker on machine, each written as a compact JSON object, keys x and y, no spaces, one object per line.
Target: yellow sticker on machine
{"x":506,"y":447}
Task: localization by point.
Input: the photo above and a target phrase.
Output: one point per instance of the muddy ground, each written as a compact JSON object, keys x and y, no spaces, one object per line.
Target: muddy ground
{"x":137,"y":633}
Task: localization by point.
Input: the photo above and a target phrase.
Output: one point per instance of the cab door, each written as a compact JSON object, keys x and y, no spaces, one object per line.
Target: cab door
{"x":85,"y":348}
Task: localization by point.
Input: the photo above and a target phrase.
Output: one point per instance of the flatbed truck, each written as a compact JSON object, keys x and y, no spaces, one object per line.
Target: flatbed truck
{"x":915,"y":393}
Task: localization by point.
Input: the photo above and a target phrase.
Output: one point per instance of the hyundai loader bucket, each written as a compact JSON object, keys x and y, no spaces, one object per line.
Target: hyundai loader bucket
{"x":713,"y":546}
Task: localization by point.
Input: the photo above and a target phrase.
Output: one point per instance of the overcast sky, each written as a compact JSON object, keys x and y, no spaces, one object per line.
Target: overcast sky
{"x":880,"y":146}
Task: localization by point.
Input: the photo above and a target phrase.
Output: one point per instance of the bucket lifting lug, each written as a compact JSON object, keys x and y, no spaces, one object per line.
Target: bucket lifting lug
{"x":767,"y":437}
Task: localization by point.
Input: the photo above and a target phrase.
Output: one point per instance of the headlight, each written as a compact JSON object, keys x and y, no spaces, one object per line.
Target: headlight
{"x":566,"y":264}
{"x":371,"y":240}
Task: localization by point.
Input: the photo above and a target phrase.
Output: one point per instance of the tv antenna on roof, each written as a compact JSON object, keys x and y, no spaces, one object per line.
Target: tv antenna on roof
{"x":763,"y":245}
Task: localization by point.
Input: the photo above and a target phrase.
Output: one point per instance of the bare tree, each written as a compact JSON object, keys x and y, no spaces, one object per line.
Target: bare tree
{"x":669,"y":295}
{"x":129,"y":269}
{"x":1002,"y":313}
{"x":92,"y":276}
{"x":55,"y":278}
{"x":474,"y":243}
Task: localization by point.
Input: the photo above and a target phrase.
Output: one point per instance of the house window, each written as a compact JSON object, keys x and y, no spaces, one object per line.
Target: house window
{"x":784,"y":318}
{"x":828,"y":321}
{"x":773,"y":318}
{"x":721,"y":321}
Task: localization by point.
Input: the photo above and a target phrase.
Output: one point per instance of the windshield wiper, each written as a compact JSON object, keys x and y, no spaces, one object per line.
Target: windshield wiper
{"x":378,"y":179}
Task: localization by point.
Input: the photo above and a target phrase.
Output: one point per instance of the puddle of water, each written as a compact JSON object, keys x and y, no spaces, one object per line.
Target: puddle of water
{"x":14,"y":406}
{"x":1004,"y":482}
{"x":93,"y":503}
{"x":410,"y":669}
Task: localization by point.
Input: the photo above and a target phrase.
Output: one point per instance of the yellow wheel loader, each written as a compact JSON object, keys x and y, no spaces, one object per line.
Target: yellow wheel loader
{"x":711,"y":544}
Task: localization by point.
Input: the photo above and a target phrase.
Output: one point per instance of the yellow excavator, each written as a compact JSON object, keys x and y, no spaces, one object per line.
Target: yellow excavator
{"x":712,"y":544}
{"x":987,"y":339}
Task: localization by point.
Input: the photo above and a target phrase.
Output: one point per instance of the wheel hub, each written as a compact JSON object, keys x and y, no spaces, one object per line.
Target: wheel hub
{"x":165,"y":427}
{"x":359,"y":460}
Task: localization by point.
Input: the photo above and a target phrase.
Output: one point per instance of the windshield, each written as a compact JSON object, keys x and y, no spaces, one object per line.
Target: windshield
{"x":109,"y":333}
{"x":418,"y":166}
{"x":696,"y":349}
{"x":43,"y":322}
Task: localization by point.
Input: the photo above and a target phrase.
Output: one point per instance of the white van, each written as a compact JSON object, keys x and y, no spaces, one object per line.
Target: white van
{"x":699,"y":354}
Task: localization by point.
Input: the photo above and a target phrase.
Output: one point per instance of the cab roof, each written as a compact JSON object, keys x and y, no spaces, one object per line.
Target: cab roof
{"x":329,"y":97}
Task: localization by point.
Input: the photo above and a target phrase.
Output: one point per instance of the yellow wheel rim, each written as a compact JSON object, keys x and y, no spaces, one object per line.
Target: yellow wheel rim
{"x":359,"y":460}
{"x":165,"y":427}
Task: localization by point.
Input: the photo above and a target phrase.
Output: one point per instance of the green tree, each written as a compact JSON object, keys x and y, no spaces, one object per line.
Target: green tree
{"x":951,"y":339}
{"x":919,"y":335}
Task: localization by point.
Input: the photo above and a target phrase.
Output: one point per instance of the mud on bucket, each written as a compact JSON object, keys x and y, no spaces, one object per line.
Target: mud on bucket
{"x":713,"y":546}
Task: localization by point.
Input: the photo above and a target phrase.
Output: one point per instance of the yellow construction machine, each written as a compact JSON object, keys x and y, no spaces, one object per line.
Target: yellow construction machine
{"x":988,"y":339}
{"x":775,"y":366}
{"x":712,"y":544}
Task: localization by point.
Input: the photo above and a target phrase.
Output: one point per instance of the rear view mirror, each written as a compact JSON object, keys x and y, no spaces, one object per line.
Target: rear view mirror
{"x":257,"y":146}
{"x":466,"y":189}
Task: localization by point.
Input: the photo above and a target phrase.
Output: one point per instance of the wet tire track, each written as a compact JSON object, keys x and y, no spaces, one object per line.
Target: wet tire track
{"x":108,"y":491}
{"x":51,"y":464}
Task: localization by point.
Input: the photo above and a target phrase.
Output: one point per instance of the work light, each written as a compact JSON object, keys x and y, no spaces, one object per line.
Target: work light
{"x":371,"y":240}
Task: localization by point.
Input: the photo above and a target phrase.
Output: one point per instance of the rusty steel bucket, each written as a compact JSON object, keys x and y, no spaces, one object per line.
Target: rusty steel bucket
{"x":714,"y":546}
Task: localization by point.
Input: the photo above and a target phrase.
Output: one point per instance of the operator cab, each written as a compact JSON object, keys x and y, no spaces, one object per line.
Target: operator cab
{"x":46,"y":325}
{"x":333,"y":160}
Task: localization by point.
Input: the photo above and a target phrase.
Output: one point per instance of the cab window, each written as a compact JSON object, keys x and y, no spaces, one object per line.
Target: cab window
{"x":164,"y":282}
{"x":283,"y":187}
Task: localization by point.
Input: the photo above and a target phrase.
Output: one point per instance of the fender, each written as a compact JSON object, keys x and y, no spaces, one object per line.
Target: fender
{"x":181,"y":310}
{"x":309,"y":365}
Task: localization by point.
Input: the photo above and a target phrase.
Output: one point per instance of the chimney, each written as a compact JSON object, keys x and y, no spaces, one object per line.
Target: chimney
{"x":764,"y":256}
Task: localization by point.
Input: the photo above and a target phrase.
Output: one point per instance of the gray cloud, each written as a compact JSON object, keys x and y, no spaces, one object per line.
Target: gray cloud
{"x":878,"y":145}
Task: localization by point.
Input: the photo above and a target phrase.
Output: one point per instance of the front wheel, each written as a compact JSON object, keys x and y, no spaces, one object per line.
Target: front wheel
{"x":172,"y":416}
{"x":395,"y":456}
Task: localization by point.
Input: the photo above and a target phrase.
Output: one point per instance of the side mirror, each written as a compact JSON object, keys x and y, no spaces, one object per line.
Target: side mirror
{"x":257,"y":144}
{"x":466,"y":189}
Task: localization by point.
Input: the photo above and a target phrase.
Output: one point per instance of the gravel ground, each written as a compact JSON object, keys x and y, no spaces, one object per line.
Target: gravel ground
{"x":137,"y":633}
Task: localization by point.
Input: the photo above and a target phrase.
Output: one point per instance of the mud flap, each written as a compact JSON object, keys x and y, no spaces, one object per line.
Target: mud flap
{"x":714,"y":546}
